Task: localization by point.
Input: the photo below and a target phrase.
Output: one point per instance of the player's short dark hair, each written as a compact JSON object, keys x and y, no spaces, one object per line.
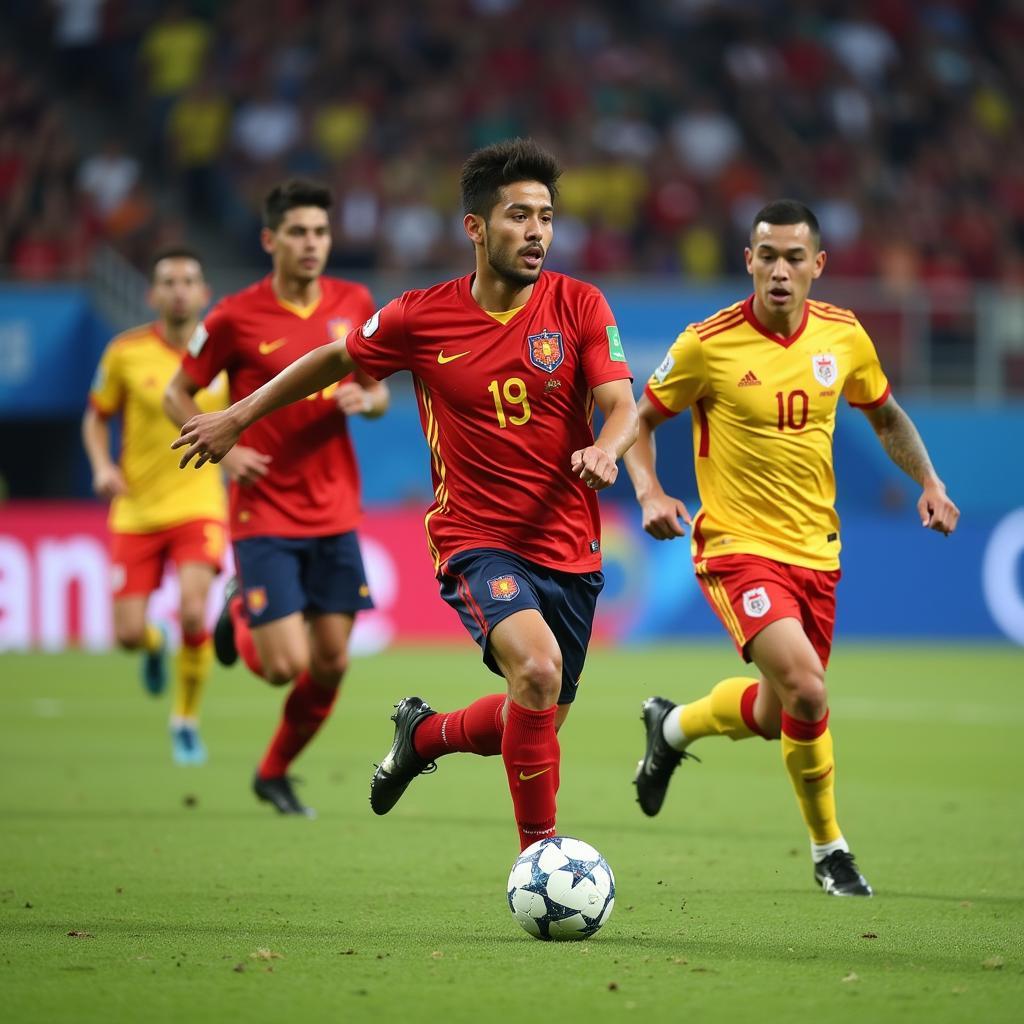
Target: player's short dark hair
{"x":788,"y":211}
{"x":489,"y":169}
{"x":172,"y":252}
{"x":290,"y":194}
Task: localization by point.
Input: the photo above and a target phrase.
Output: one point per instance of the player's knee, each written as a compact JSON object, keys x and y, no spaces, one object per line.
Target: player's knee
{"x":538,"y":682}
{"x":282,"y":669}
{"x":328,"y":668}
{"x":130,"y":638}
{"x":807,"y":696}
{"x":193,"y":620}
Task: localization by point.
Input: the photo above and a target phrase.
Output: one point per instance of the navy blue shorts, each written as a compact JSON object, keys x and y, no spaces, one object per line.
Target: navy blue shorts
{"x":486,"y":585}
{"x":316,"y":575}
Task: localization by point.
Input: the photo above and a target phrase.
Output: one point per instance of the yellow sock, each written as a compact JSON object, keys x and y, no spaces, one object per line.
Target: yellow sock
{"x":720,"y":713}
{"x":152,"y":638}
{"x":811,"y":767}
{"x":193,"y":665}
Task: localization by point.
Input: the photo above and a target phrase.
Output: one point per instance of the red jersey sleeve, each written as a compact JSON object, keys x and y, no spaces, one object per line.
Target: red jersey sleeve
{"x":209,"y":350}
{"x":603,"y":356}
{"x":380,"y":346}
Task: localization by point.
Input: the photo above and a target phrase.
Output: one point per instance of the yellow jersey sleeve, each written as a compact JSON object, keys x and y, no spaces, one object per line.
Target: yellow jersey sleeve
{"x":106,"y":393}
{"x":682,"y":377}
{"x":866,"y":384}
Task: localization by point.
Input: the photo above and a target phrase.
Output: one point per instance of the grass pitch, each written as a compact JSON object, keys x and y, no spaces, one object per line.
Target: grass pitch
{"x":131,"y":889}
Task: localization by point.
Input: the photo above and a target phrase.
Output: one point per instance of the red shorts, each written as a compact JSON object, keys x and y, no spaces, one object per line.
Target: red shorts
{"x":138,"y":559}
{"x":748,"y":592}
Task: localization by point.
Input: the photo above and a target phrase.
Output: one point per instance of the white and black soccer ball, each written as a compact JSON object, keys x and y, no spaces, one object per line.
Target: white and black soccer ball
{"x":561,"y":888}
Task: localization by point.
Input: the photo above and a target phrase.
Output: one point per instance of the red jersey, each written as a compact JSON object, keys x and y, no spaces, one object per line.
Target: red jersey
{"x":312,"y":485}
{"x":503,"y":406}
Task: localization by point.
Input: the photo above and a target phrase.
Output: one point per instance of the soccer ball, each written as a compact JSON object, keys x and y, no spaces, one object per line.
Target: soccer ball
{"x":561,"y":888}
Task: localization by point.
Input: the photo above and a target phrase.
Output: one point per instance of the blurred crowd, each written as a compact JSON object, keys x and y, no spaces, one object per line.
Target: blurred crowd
{"x":897,"y":120}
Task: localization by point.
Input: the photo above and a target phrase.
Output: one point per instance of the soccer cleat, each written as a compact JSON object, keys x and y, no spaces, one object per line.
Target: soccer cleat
{"x":402,"y":764}
{"x":154,"y":667}
{"x":839,"y":875}
{"x":278,"y":791}
{"x":186,"y":745}
{"x":655,"y":769}
{"x":224,"y":631}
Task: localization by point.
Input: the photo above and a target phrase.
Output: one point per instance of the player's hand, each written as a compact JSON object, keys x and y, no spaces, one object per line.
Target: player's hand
{"x":595,"y":467}
{"x":352,"y":399}
{"x":246,"y":465}
{"x":108,"y":482}
{"x":209,"y":436}
{"x":661,"y":515}
{"x":937,"y":512}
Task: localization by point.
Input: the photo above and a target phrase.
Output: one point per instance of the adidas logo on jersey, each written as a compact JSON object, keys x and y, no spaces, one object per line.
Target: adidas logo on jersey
{"x":748,"y":380}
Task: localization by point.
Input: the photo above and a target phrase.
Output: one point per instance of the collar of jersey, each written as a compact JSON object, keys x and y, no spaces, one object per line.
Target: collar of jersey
{"x":466,"y":291}
{"x":748,"y":313}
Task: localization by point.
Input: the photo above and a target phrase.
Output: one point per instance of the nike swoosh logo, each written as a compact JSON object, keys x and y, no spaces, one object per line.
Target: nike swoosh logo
{"x":817,"y":778}
{"x":442,"y":358}
{"x":523,"y":777}
{"x":266,"y":347}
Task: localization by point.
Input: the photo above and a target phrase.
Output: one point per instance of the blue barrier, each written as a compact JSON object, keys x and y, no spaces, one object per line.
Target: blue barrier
{"x":899,"y":580}
{"x":50,"y":342}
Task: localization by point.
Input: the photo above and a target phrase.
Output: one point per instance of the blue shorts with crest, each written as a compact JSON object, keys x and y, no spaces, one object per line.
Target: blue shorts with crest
{"x":314,"y":575}
{"x":487,"y":585}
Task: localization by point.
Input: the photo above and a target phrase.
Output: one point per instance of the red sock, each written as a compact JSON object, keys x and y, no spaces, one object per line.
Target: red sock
{"x":476,"y":729}
{"x":529,"y":748}
{"x":305,"y":710}
{"x":194,"y":639}
{"x":243,"y":636}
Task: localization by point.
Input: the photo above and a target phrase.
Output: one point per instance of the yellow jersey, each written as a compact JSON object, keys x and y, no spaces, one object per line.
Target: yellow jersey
{"x":133,"y":373}
{"x":764,"y":411}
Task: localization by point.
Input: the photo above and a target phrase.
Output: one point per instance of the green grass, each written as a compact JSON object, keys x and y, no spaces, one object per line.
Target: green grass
{"x":179,"y":877}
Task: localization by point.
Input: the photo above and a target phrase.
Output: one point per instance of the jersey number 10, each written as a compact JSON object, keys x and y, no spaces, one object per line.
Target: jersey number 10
{"x":792,"y":409}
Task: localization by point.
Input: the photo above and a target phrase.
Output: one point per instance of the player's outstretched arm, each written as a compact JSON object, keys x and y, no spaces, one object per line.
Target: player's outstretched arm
{"x":210,"y":436}
{"x":903,"y":444}
{"x":661,"y":513}
{"x":597,"y":465}
{"x":107,"y":480}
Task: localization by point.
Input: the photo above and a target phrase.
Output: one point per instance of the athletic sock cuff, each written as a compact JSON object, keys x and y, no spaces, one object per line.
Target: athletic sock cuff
{"x":798,"y":729}
{"x":747,"y":711}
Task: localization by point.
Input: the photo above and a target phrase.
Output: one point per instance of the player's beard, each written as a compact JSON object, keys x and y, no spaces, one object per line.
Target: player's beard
{"x":503,"y":263}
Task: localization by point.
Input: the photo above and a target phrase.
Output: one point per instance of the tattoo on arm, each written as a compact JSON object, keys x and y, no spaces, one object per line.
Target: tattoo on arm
{"x":901,"y":441}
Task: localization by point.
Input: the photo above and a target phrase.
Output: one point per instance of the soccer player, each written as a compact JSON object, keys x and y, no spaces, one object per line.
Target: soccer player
{"x":508,"y":363}
{"x":763,"y":378}
{"x":295,"y":505}
{"x":155,"y":517}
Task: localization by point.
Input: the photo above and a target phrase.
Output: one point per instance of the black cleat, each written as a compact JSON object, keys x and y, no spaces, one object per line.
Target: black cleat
{"x":659,"y":761}
{"x":278,"y":791}
{"x":839,"y":875}
{"x":402,"y":764}
{"x":224,"y":632}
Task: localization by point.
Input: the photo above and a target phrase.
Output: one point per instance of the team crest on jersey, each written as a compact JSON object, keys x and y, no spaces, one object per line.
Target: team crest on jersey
{"x":546,"y":351}
{"x":503,"y":588}
{"x":256,"y":599}
{"x":338,"y":328}
{"x":825,"y":368}
{"x":756,"y":602}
